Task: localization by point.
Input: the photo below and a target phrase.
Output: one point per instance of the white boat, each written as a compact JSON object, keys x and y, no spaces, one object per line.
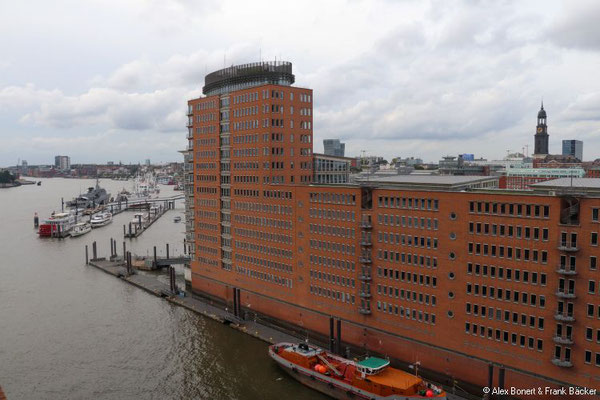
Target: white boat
{"x":81,"y":228}
{"x":101,"y":219}
{"x":58,"y":225}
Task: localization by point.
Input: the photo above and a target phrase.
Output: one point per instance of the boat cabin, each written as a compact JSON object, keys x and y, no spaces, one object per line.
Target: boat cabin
{"x":371,"y":366}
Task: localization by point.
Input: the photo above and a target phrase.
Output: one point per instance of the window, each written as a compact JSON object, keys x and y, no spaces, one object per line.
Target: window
{"x":595,"y":212}
{"x":594,"y":240}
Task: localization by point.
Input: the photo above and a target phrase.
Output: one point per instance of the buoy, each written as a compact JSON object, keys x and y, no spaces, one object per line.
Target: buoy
{"x":429,"y":393}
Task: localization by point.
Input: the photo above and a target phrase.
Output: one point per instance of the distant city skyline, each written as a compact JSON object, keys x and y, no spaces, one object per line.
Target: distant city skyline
{"x":440,"y":78}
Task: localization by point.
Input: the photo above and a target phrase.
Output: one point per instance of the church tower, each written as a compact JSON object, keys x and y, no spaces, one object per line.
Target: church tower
{"x":541,"y":135}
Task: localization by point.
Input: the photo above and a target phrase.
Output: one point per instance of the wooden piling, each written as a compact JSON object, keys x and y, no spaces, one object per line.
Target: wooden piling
{"x":167,"y":250}
{"x":155,"y":255}
{"x":124,"y":250}
{"x":87,"y":261}
{"x":94,"y":251}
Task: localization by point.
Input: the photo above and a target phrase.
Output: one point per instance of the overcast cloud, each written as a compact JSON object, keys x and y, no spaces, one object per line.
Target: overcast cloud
{"x":109,"y":80}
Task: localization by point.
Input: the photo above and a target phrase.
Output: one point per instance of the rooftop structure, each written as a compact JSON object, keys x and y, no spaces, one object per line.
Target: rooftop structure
{"x":244,"y":76}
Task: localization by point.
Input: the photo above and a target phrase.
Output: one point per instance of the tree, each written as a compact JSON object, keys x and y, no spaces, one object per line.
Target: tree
{"x":6,"y":177}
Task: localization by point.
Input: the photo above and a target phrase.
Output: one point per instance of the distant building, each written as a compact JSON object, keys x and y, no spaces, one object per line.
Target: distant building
{"x":468,"y":157}
{"x":541,"y":135}
{"x":573,"y":148}
{"x":408,"y":161}
{"x":333,"y":147}
{"x":62,"y":162}
{"x":451,"y":165}
{"x":523,"y":178}
{"x":147,"y":161}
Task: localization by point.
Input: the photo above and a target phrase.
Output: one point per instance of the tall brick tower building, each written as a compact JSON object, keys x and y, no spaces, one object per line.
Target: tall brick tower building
{"x":448,"y":271}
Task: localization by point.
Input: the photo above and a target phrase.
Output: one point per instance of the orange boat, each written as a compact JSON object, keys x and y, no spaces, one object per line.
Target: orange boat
{"x":340,"y":378}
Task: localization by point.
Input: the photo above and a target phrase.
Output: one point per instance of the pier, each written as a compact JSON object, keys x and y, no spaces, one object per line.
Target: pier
{"x":138,"y":227}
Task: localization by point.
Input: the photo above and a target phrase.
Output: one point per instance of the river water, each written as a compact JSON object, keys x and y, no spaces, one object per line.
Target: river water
{"x":68,"y":331}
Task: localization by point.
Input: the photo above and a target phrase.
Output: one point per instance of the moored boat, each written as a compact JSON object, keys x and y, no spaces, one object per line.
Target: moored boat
{"x":58,"y":225}
{"x":340,"y":378}
{"x":101,"y":219}
{"x":81,"y":228}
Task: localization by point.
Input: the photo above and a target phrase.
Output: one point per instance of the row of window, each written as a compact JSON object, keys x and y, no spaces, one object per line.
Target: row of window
{"x":408,"y":295}
{"x":407,"y":258}
{"x":410,"y":203}
{"x":206,"y":129}
{"x":408,"y":240}
{"x":207,"y":238}
{"x":206,"y":117}
{"x":509,"y":274}
{"x":405,"y":276}
{"x":207,"y":214}
{"x":261,"y":207}
{"x":510,"y":231}
{"x":508,"y":252}
{"x":504,"y":315}
{"x":206,"y":142}
{"x":510,"y":209}
{"x":332,"y":247}
{"x":333,"y":198}
{"x":205,"y":105}
{"x":588,"y":358}
{"x":263,"y":235}
{"x":264,"y":276}
{"x":208,"y":261}
{"x":263,"y":221}
{"x":212,"y":154}
{"x":530,"y":299}
{"x":590,"y":310}
{"x":504,"y":336}
{"x":332,"y":262}
{"x":209,"y":165}
{"x":337,"y":215}
{"x":408,"y":313}
{"x":407,"y":221}
{"x":261,"y":262}
{"x":332,"y":278}
{"x":332,"y":294}
{"x":589,"y":334}
{"x":332,"y":230}
{"x":208,"y":250}
{"x":268,"y":250}
{"x":208,"y":227}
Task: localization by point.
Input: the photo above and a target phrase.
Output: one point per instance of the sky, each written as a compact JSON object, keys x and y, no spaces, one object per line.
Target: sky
{"x":108,"y":80}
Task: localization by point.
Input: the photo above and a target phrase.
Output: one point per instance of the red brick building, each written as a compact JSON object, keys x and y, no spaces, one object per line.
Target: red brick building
{"x":448,"y":271}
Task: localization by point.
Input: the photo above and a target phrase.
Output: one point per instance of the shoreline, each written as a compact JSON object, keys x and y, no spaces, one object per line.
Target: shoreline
{"x":255,"y":327}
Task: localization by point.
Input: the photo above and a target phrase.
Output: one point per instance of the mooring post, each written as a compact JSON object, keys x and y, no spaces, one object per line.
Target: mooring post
{"x":235,"y":311}
{"x":331,"y":336}
{"x":167,"y":250}
{"x":130,"y":229}
{"x":111,"y":247}
{"x":124,"y":251}
{"x":339,"y":337}
{"x":154,"y":255}
{"x":62,"y":204}
{"x":36,"y":220}
{"x":94,"y":250}
{"x":87,"y":261}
